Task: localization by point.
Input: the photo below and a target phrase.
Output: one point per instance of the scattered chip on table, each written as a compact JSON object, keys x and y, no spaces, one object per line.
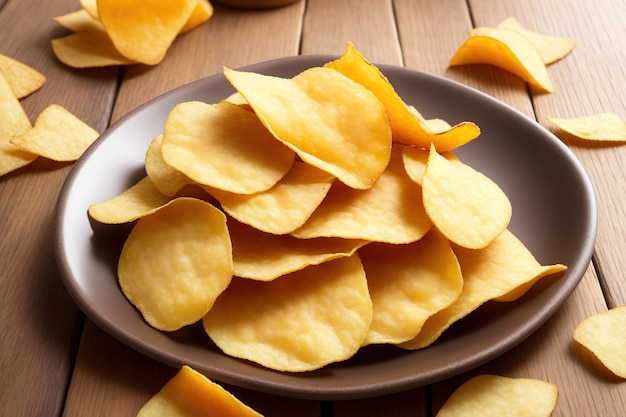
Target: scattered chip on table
{"x":88,"y":49}
{"x":79,"y":21}
{"x":23,"y":79}
{"x":601,"y":127}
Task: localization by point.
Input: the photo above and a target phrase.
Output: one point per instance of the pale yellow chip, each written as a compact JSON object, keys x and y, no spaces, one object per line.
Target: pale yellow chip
{"x":13,"y":121}
{"x":137,"y":201}
{"x":143,"y":30}
{"x":91,"y":7}
{"x":191,"y":394}
{"x":329,"y":120}
{"x":488,"y":273}
{"x":408,"y":284}
{"x":465,"y":205}
{"x":508,"y":50}
{"x":550,"y":48}
{"x":166,"y":180}
{"x":225,"y":147}
{"x":265,"y":256}
{"x":79,"y":21}
{"x":299,"y":322}
{"x":284,"y":207}
{"x":406,"y":125}
{"x":604,"y":335}
{"x":23,"y":79}
{"x":416,"y":159}
{"x":176,"y":262}
{"x":201,"y":13}
{"x":495,"y":395}
{"x":391,"y":211}
{"x":58,"y":135}
{"x":609,"y":127}
{"x":88,"y":49}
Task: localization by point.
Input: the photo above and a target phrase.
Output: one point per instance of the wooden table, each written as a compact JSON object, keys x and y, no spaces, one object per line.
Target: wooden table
{"x":55,"y":362}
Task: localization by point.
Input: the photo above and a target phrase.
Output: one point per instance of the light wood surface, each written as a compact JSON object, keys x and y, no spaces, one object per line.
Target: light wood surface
{"x":54,"y":362}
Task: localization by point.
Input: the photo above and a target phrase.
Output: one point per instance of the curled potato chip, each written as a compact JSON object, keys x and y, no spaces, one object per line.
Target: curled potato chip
{"x":166,"y":180}
{"x":265,"y":256}
{"x":466,"y":206}
{"x":91,"y":7}
{"x":225,"y":147}
{"x":604,"y":335}
{"x":508,"y":50}
{"x":407,"y":126}
{"x":13,"y":121}
{"x":495,"y":395}
{"x":23,"y":79}
{"x":416,"y":159}
{"x":79,"y":21}
{"x":298,"y":322}
{"x":88,"y":49}
{"x":325,"y":117}
{"x":408,"y":284}
{"x":175,"y":263}
{"x":391,"y":211}
{"x":550,"y":48}
{"x":609,"y":127}
{"x":143,"y":30}
{"x":488,"y":273}
{"x":202,"y":13}
{"x":58,"y":135}
{"x":191,"y":394}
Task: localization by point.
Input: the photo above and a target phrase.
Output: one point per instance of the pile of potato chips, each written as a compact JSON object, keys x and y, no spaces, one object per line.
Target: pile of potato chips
{"x":303,"y":218}
{"x":122,"y":32}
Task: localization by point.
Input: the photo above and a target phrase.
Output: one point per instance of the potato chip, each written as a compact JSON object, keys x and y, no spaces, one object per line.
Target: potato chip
{"x":609,"y":127}
{"x":88,"y":49}
{"x":202,"y":13}
{"x":408,"y":284}
{"x":91,"y":7}
{"x":466,"y":206}
{"x":284,"y":207}
{"x":488,"y":273}
{"x":391,"y":211}
{"x":166,"y":180}
{"x":325,"y":117}
{"x":191,"y":394}
{"x":550,"y":48}
{"x":604,"y":335}
{"x":143,"y":30}
{"x":406,"y":127}
{"x":176,"y":262}
{"x":505,"y":49}
{"x":138,"y":201}
{"x":79,"y":21}
{"x":58,"y":135}
{"x":13,"y":121}
{"x":299,"y":322}
{"x":225,"y":147}
{"x":416,"y":159}
{"x":495,"y":395}
{"x":265,"y":256}
{"x":23,"y":79}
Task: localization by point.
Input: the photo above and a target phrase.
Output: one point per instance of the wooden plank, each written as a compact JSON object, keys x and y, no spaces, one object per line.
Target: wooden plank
{"x":40,"y":326}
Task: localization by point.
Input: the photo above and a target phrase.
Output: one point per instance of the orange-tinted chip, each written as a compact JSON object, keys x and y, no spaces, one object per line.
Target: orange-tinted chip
{"x":202,"y":13}
{"x":601,"y":127}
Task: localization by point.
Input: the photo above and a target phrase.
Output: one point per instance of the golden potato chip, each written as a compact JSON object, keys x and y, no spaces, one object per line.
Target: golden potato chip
{"x":608,"y":127}
{"x":408,"y":284}
{"x":23,"y":79}
{"x":391,"y":211}
{"x":265,"y":256}
{"x":191,"y":394}
{"x":298,"y":322}
{"x":550,"y":48}
{"x":466,"y":206}
{"x":325,"y":117}
{"x":495,"y":395}
{"x":143,"y":30}
{"x":166,"y":180}
{"x":284,"y":207}
{"x":138,"y":201}
{"x":91,"y":7}
{"x":406,"y":126}
{"x":58,"y":135}
{"x":488,"y":273}
{"x":13,"y":121}
{"x":201,"y":13}
{"x":225,"y":147}
{"x":416,"y":159}
{"x":175,"y":263}
{"x":79,"y":21}
{"x":604,"y":335}
{"x":505,"y":49}
{"x":88,"y":49}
